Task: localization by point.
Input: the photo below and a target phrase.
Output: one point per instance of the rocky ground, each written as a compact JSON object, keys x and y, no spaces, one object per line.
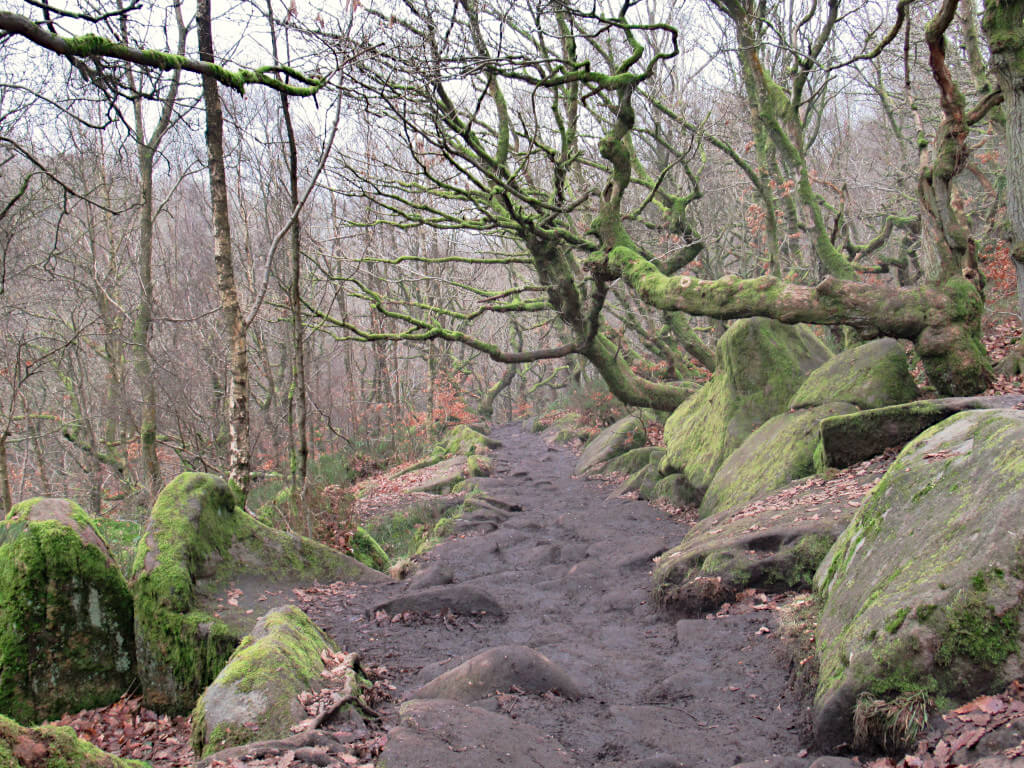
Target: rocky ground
{"x":569,"y":573}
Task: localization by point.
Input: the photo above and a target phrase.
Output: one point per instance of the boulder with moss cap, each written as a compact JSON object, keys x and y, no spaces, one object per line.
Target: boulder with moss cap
{"x":871,"y":375}
{"x":54,"y":747}
{"x":780,"y":450}
{"x":66,"y":636}
{"x":922,"y":592}
{"x":254,"y":698}
{"x":198,"y":548}
{"x":625,"y":434}
{"x":761,"y":364}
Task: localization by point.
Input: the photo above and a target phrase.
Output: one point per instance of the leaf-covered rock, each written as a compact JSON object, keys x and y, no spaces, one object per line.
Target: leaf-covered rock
{"x":625,"y":434}
{"x":55,"y":746}
{"x":761,"y":364}
{"x":66,"y":634}
{"x":872,"y":375}
{"x":780,"y":450}
{"x":922,"y":592}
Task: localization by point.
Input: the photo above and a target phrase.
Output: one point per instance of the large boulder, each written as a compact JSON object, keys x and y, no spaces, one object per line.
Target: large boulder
{"x":854,"y":437}
{"x":198,"y":575}
{"x":872,"y":375}
{"x":922,"y":593}
{"x":503,"y":668}
{"x":761,"y":364}
{"x":56,"y":746}
{"x":780,"y":450}
{"x":451,"y":473}
{"x":432,"y":734}
{"x":625,"y":434}
{"x":460,"y":440}
{"x":66,"y":636}
{"x":255,"y":696}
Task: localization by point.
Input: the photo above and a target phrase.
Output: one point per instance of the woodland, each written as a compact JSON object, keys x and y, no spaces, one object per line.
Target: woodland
{"x":244,"y":238}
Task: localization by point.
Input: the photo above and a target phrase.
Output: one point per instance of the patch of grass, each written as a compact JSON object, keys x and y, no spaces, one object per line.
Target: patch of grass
{"x":891,"y":725}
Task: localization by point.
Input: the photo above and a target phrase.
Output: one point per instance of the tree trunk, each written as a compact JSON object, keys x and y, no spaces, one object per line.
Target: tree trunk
{"x":5,"y":478}
{"x":143,"y":326}
{"x":1003,"y":22}
{"x":238,"y":393}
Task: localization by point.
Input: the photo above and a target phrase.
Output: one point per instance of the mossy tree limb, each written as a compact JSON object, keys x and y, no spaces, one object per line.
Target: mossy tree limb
{"x":91,"y":45}
{"x":942,"y":321}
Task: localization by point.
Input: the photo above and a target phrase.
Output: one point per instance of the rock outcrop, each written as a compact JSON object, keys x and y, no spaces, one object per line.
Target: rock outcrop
{"x":198,"y":545}
{"x":504,"y":668}
{"x":66,"y":629}
{"x":780,"y":450}
{"x":871,"y":375}
{"x":761,"y":364}
{"x":854,"y":437}
{"x":625,"y":434}
{"x":255,"y":696}
{"x":922,"y":593}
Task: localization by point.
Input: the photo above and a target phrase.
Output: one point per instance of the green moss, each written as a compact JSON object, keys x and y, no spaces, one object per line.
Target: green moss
{"x":366,"y":550}
{"x":66,"y":625}
{"x":894,"y":623}
{"x":779,"y":451}
{"x":761,"y":365}
{"x":279,"y":660}
{"x":971,"y":629}
{"x":872,"y":375}
{"x":181,"y":649}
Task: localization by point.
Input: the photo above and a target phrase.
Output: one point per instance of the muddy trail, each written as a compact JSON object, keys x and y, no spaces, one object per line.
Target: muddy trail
{"x":569,"y":570}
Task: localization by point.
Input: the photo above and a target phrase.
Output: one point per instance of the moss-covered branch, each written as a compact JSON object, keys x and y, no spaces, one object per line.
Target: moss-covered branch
{"x":943,"y":322}
{"x":91,"y":45}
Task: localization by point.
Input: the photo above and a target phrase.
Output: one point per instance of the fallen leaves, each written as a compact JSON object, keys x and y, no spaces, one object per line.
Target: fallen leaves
{"x":966,"y":726}
{"x":127,"y":729}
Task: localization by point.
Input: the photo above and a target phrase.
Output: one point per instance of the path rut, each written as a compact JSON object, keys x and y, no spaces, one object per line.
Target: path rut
{"x":570,"y":568}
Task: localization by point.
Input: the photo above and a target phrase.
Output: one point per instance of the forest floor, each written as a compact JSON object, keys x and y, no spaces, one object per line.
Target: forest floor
{"x":571,"y":569}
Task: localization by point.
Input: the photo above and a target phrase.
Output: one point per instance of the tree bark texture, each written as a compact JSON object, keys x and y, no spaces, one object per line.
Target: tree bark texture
{"x":238,"y":392}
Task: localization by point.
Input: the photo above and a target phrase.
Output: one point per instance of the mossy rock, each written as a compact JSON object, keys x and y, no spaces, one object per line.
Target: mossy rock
{"x":872,"y":375}
{"x":410,"y":527}
{"x":625,"y":434}
{"x":50,"y":746}
{"x":780,"y":450}
{"x":642,"y":482}
{"x":775,"y":544}
{"x":443,"y":477}
{"x":852,"y":438}
{"x":634,"y":460}
{"x":674,"y":489}
{"x":367,"y":551}
{"x":198,"y":544}
{"x":761,"y":364}
{"x":254,"y":698}
{"x":566,"y":429}
{"x":922,"y":593}
{"x":466,"y":441}
{"x":459,"y":441}
{"x":66,"y":627}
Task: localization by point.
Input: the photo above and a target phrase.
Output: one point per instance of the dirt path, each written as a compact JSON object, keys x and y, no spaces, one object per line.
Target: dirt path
{"x":571,"y":570}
